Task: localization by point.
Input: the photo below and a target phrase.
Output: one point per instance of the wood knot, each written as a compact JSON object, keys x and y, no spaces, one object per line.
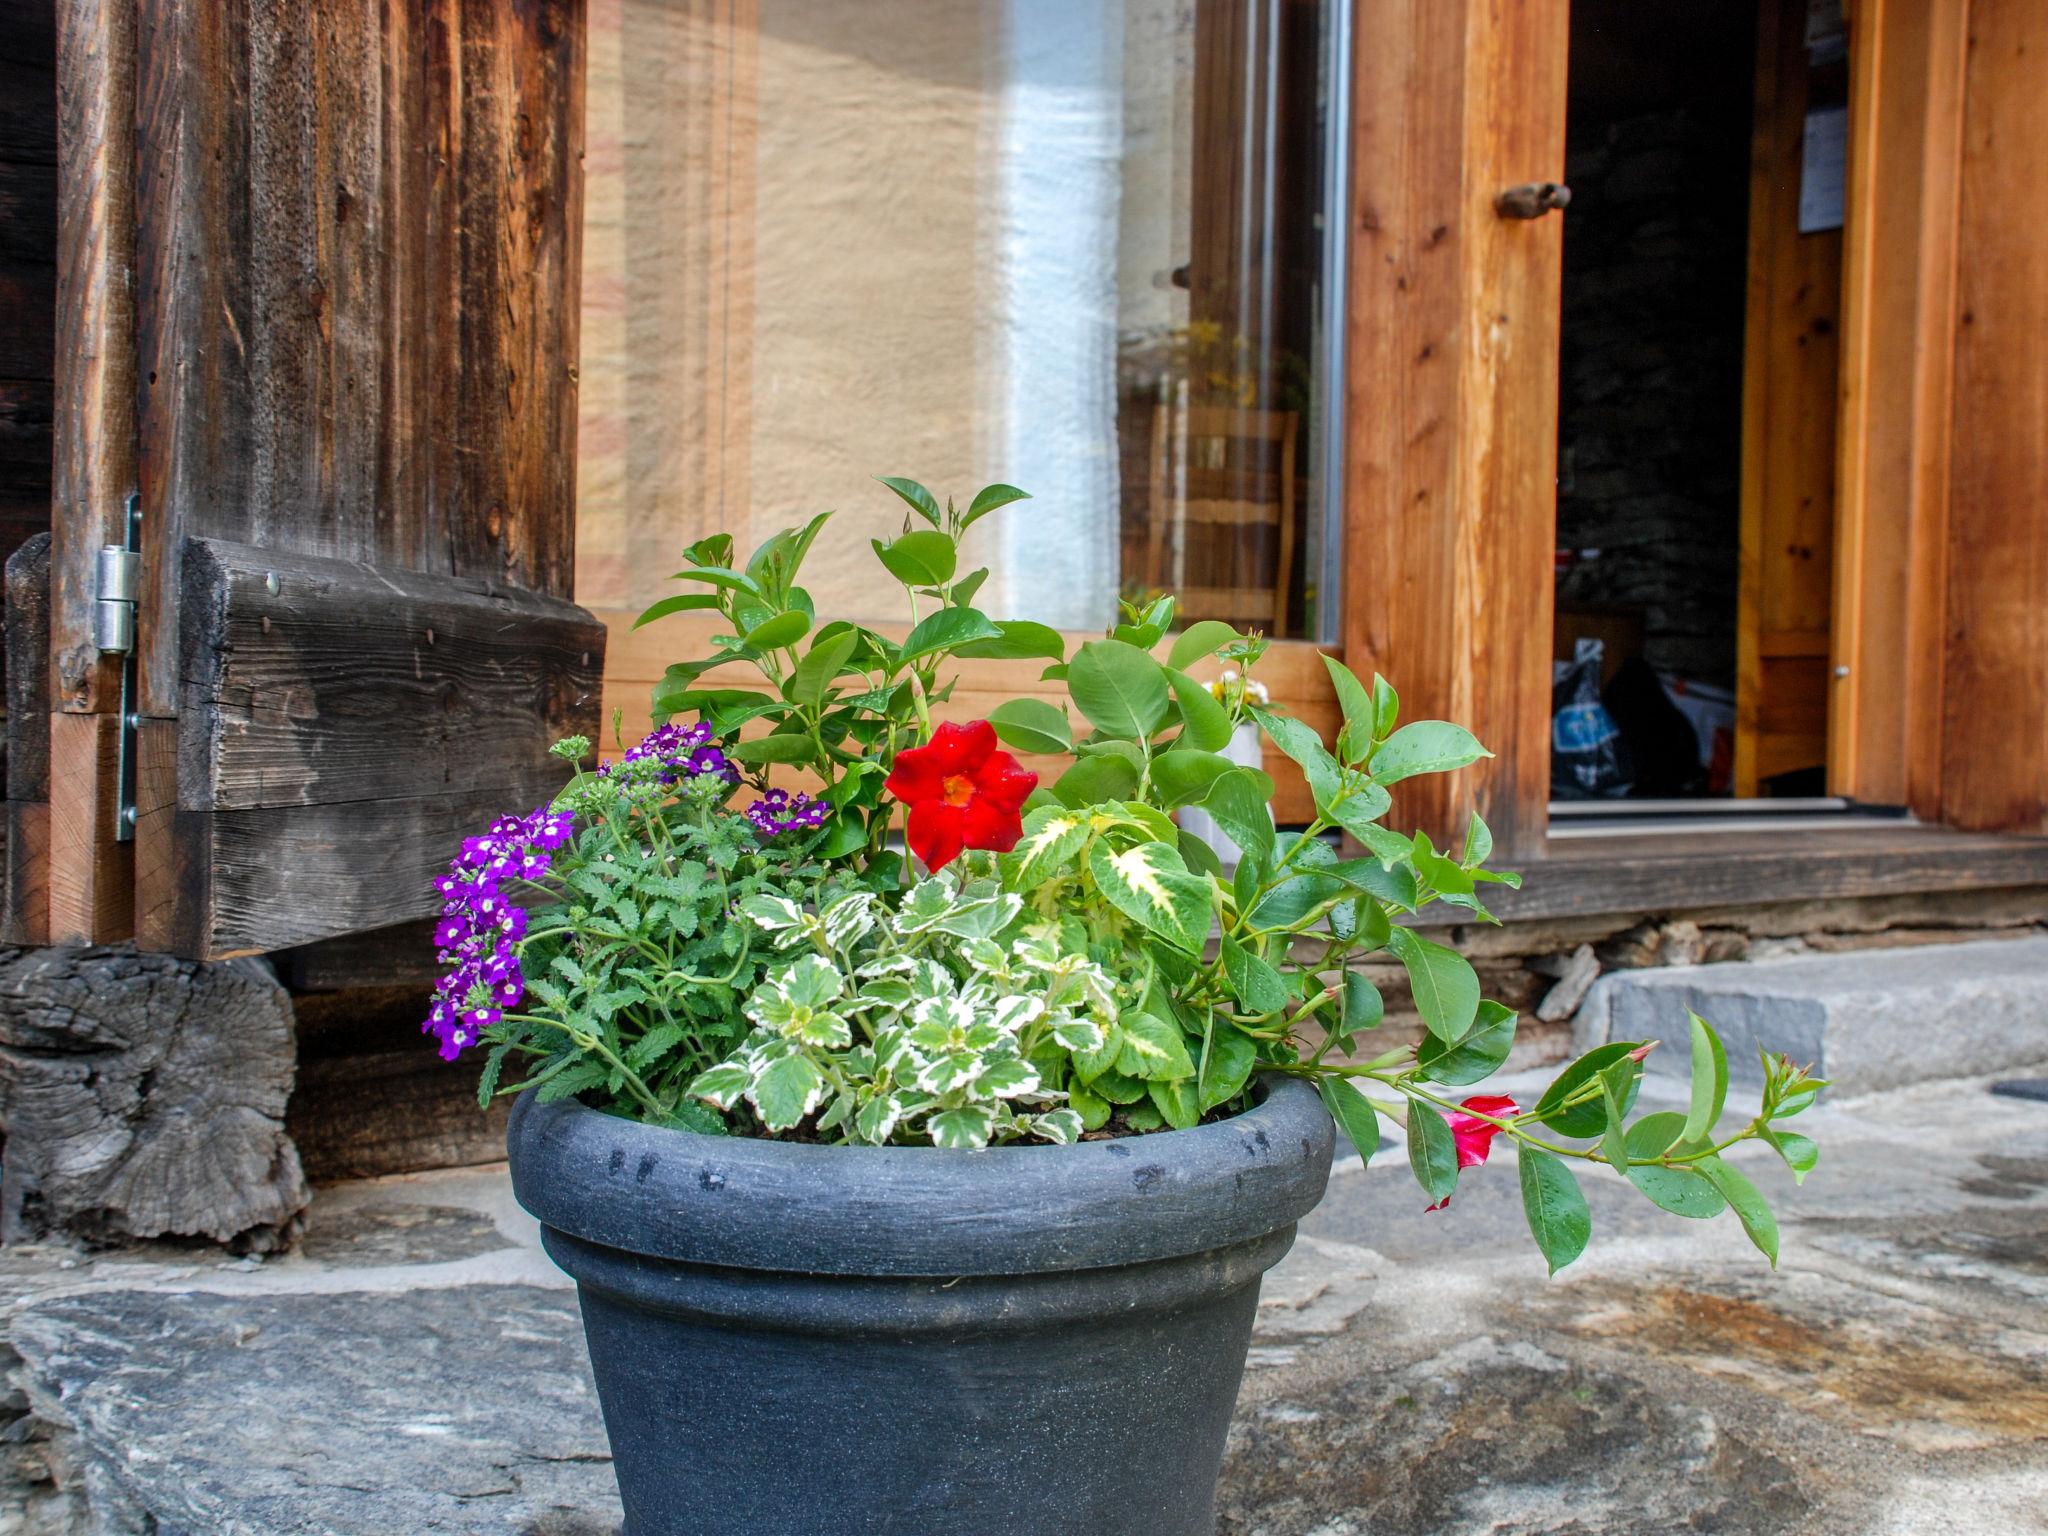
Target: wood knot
{"x":494,"y":522}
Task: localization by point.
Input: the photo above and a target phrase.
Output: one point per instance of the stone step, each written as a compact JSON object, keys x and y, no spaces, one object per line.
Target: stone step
{"x":1865,"y":1021}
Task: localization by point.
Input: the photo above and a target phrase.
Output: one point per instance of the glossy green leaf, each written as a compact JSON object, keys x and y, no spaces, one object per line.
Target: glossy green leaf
{"x":924,"y":557}
{"x":944,"y":630}
{"x":1198,"y":642}
{"x":1432,"y":1151}
{"x":1750,"y":1208}
{"x":1177,"y":1102}
{"x":921,"y":500}
{"x":1258,"y":988}
{"x":1615,"y":1083}
{"x":1478,"y":841}
{"x":1446,"y":987}
{"x":773,"y":749}
{"x":1228,"y":1065}
{"x":1186,"y":778}
{"x":1096,"y":780}
{"x":1020,"y":640}
{"x":1243,"y":809}
{"x":687,"y":602}
{"x":1032,"y":725}
{"x":1709,"y":1082}
{"x":1300,"y":742}
{"x":1205,"y":723}
{"x":1118,"y":687}
{"x":1425,"y":746}
{"x":1555,"y":1207}
{"x":1680,"y":1191}
{"x":1477,"y":1055}
{"x":1590,"y":1117}
{"x":1653,"y":1135}
{"x":786,"y":628}
{"x":1363,"y":1007}
{"x":987,"y":500}
{"x":1386,"y":707}
{"x":718,"y":576}
{"x":1356,"y":704}
{"x":1357,"y":1119}
{"x":827,"y":658}
{"x":1800,"y":1153}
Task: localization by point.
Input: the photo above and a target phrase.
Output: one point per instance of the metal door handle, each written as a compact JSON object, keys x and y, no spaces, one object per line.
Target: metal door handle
{"x":1532,"y":199}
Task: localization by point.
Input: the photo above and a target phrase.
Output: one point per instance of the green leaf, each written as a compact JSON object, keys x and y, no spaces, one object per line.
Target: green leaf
{"x":719,"y":577}
{"x":1241,"y":803}
{"x":1801,"y":1154}
{"x":1153,"y":1049}
{"x":1478,"y":841}
{"x":773,"y":749}
{"x":1094,"y":1111}
{"x":1615,"y":1083}
{"x":1199,"y":640}
{"x":946,"y":629}
{"x":1096,"y":781}
{"x":1356,"y":703}
{"x":1363,"y":1006}
{"x":1176,"y":1102}
{"x":1119,"y":688}
{"x":1477,"y":1055}
{"x":1300,"y":742}
{"x":1709,"y":1081}
{"x":786,"y":628}
{"x":1750,"y":1209}
{"x":1554,"y":1206}
{"x":1589,"y":1118}
{"x":828,"y":656}
{"x":1256,"y":985}
{"x":724,"y":1085}
{"x":1150,"y":884}
{"x":1356,"y":1118}
{"x":987,"y":499}
{"x":1186,"y":777}
{"x":788,"y":1089}
{"x":1432,"y":1151}
{"x":685,"y":603}
{"x":921,"y":500}
{"x":1425,"y":746}
{"x":1446,"y":987}
{"x":1019,"y":641}
{"x":924,"y":557}
{"x":1228,"y":1065}
{"x":1206,"y":723}
{"x":1680,"y":1191}
{"x":1386,"y":707}
{"x":1032,"y":725}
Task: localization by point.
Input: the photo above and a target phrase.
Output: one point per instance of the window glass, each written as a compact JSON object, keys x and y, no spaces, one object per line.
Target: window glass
{"x":1074,"y":246}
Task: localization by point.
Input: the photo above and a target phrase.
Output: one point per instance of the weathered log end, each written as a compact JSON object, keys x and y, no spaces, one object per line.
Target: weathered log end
{"x":143,"y":1096}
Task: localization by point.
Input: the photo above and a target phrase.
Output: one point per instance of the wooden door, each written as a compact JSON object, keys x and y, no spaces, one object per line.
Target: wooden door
{"x":1450,"y":389}
{"x":346,"y":393}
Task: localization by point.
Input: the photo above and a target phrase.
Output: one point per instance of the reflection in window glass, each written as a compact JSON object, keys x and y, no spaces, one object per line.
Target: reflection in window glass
{"x":1072,"y":245}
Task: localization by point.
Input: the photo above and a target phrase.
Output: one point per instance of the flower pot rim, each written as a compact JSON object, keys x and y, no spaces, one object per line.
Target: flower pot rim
{"x":792,"y":1207}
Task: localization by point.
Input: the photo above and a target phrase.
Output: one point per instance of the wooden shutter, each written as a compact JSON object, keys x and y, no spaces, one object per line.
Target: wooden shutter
{"x":356,"y":231}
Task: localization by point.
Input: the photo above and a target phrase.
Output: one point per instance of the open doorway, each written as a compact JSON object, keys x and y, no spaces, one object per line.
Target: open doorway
{"x":1697,"y":386}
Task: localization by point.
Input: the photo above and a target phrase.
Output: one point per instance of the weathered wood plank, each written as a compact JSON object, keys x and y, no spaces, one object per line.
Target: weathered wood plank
{"x":310,"y":681}
{"x":1995,"y":701}
{"x":26,"y":919}
{"x":92,"y":875}
{"x":1450,"y":390}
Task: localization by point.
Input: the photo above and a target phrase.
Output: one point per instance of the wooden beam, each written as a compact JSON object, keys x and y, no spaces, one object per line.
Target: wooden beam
{"x":92,"y":873}
{"x":1450,"y":394}
{"x":1995,"y":693}
{"x":27,"y":916}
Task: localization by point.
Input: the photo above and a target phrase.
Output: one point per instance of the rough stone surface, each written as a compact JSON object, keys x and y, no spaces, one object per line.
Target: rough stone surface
{"x":144,"y":1096}
{"x":420,"y":1369}
{"x":1865,"y":1021}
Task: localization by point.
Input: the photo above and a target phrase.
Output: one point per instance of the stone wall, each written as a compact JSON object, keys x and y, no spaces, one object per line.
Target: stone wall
{"x":1650,"y":391}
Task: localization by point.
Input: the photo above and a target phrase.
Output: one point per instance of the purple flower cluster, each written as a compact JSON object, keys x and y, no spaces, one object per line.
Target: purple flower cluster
{"x":779,"y":811}
{"x":480,"y":928}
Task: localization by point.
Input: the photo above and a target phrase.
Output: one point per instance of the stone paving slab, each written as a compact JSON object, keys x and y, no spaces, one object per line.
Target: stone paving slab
{"x":418,"y":1367}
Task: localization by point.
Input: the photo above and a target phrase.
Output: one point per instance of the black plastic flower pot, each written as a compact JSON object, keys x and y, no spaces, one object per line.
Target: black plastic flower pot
{"x":1028,"y":1339}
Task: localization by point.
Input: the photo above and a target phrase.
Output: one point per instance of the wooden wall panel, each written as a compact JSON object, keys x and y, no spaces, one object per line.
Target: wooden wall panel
{"x":1789,"y":398}
{"x":1995,"y":700}
{"x":1450,"y":394}
{"x":1898,"y":335}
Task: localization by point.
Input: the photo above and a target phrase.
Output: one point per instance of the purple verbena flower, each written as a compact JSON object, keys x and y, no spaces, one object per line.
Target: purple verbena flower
{"x":778,"y":811}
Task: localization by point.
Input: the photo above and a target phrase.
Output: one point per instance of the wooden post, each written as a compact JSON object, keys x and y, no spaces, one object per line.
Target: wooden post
{"x":1450,"y":394}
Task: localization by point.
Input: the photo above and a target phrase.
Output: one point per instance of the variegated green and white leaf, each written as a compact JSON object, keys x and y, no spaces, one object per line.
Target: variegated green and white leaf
{"x":810,"y":981}
{"x":877,"y":1118}
{"x":1052,"y":836}
{"x":1078,"y":1034}
{"x":774,"y":914}
{"x":1153,"y":1048}
{"x":929,"y":903}
{"x":786,"y":1091}
{"x":1057,"y":1125}
{"x":967,"y":1127}
{"x":848,"y":918}
{"x":1151,"y":885}
{"x":724,"y":1085}
{"x":1013,"y":1012}
{"x":981,"y":919}
{"x":1007,"y":1077}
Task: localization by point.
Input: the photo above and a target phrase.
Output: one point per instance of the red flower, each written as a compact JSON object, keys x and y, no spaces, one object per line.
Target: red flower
{"x":1473,"y":1136}
{"x":962,"y":793}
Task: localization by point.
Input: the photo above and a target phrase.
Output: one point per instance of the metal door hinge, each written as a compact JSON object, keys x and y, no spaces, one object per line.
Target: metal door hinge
{"x":117,"y":591}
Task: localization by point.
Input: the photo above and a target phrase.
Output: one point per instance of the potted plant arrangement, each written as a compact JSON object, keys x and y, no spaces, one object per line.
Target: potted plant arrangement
{"x":918,"y":1138}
